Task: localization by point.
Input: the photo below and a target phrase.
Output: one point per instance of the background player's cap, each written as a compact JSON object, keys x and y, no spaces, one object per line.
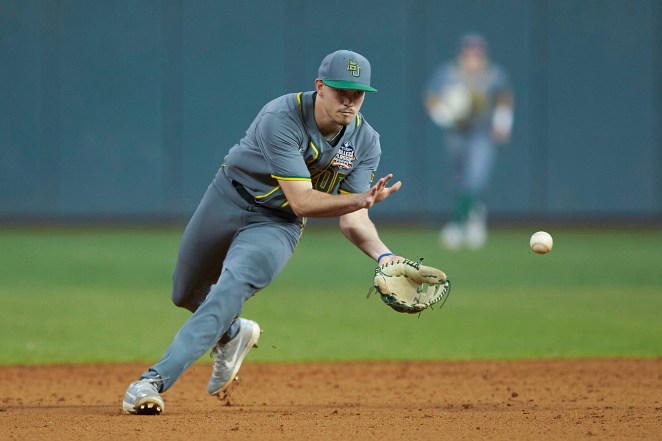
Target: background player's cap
{"x":346,"y":70}
{"x":473,"y":41}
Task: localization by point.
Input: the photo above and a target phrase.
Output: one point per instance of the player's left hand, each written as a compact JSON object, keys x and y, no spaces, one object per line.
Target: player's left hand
{"x":410,"y":287}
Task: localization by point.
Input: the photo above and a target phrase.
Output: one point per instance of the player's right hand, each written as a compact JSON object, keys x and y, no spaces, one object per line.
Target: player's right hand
{"x":380,"y":191}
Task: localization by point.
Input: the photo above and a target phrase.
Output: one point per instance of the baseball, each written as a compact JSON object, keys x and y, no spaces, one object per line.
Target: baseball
{"x":541,"y":242}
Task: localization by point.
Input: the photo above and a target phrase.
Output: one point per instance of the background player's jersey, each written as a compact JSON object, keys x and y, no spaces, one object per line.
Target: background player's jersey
{"x":283,"y":142}
{"x":483,"y":88}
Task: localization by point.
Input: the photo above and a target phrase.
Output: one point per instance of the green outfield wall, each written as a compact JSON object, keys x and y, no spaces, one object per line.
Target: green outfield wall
{"x":125,"y":109}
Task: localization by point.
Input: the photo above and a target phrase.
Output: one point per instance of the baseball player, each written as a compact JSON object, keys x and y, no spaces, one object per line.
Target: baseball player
{"x":309,"y":154}
{"x":471,"y":99}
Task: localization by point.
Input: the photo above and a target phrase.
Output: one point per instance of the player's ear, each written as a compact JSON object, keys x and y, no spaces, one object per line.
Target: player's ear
{"x":319,"y":85}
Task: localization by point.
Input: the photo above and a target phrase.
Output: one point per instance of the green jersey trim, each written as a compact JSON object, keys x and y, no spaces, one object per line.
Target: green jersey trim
{"x":262,"y":196}
{"x":289,"y":178}
{"x":317,"y":153}
{"x":300,"y":104}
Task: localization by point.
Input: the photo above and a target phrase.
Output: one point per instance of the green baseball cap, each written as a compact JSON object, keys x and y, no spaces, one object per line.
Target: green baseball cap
{"x":346,"y":70}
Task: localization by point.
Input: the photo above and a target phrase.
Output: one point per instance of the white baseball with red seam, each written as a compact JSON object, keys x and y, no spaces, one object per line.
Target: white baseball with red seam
{"x":541,"y":242}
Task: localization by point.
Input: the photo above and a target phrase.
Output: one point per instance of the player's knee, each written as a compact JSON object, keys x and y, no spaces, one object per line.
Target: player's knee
{"x":185,"y":299}
{"x":179,"y":300}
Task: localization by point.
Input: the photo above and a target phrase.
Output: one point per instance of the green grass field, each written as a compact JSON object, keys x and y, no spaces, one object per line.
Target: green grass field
{"x":104,"y":295}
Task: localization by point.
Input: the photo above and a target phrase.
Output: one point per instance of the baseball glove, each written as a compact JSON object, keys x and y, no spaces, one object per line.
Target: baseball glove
{"x":408,"y":286}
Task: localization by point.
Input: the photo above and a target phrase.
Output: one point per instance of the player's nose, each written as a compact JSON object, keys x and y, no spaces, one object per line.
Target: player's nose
{"x":349,"y":98}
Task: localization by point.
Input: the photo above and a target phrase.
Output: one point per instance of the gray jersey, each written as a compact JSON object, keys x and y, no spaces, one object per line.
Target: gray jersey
{"x":284,"y":143}
{"x":484,"y":88}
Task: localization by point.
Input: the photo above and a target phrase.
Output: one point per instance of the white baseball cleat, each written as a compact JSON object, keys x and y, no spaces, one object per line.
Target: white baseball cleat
{"x":476,"y":228}
{"x":229,"y":356}
{"x":451,"y":236}
{"x":142,"y":398}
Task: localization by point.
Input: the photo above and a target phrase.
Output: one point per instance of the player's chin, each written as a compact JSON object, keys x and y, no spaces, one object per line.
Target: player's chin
{"x":345,"y":118}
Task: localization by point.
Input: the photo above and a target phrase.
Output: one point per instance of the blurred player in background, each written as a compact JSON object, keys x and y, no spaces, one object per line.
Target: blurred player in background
{"x":471,"y":99}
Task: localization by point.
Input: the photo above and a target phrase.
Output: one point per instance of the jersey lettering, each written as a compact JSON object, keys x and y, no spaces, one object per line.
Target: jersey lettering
{"x":327,"y":180}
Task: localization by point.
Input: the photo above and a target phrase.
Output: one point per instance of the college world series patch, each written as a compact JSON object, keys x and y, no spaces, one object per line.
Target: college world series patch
{"x":345,"y":157}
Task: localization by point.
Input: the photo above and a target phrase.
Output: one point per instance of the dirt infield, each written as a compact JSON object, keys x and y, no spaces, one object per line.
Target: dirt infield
{"x":596,"y":399}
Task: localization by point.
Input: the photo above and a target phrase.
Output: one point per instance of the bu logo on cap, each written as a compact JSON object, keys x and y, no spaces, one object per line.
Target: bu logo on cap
{"x":353,"y":68}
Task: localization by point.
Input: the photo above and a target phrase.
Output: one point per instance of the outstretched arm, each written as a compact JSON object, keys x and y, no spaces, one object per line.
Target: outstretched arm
{"x":306,"y":201}
{"x":361,"y":231}
{"x":502,"y":118}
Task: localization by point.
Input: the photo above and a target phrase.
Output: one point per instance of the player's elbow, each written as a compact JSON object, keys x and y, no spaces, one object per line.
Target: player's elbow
{"x":355,"y":221}
{"x":300,"y":196}
{"x":302,"y":208}
{"x":299,"y":209}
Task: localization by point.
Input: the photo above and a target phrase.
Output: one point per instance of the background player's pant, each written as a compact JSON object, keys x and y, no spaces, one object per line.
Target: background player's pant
{"x":230,"y":250}
{"x":473,"y":156}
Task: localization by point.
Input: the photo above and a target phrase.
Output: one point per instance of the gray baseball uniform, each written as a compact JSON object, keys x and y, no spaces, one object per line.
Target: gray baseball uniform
{"x":469,"y":141}
{"x":471,"y":135}
{"x":243,"y":232}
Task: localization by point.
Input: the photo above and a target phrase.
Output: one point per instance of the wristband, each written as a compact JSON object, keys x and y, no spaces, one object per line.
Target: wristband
{"x":384,"y":255}
{"x":503,"y":119}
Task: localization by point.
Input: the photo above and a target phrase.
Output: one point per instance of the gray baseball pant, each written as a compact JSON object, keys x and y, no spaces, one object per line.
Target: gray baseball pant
{"x":231,"y":249}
